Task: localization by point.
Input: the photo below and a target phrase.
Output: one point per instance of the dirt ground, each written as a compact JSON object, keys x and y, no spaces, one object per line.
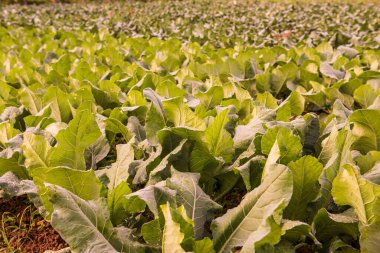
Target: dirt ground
{"x":22,"y":229}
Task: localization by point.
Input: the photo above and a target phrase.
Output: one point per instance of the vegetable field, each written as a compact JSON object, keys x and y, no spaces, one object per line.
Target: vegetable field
{"x":191,"y":127}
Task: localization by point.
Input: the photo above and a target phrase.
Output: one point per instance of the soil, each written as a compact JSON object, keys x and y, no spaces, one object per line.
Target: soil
{"x":22,"y":229}
{"x":305,"y":249}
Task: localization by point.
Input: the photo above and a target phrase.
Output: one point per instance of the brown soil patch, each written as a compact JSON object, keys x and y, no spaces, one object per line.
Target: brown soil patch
{"x":305,"y":249}
{"x":22,"y":229}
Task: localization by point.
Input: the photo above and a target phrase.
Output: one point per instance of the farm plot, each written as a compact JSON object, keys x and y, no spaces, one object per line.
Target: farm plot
{"x":127,"y":144}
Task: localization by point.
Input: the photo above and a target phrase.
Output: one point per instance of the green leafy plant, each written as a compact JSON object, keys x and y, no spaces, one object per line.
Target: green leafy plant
{"x":186,"y":144}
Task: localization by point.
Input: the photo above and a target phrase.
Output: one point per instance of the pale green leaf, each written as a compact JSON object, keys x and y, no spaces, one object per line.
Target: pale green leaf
{"x":12,"y":164}
{"x":349,"y":188}
{"x":367,"y":129}
{"x":154,"y":196}
{"x":181,"y":115}
{"x":172,"y":235}
{"x":119,"y":170}
{"x":189,"y":194}
{"x":369,"y":238}
{"x":82,"y":183}
{"x":328,"y":225}
{"x":306,"y":172}
{"x":36,"y":150}
{"x":289,"y":145}
{"x":7,"y":132}
{"x":152,"y":232}
{"x":235,"y":227}
{"x":81,"y":132}
{"x":89,"y":229}
{"x":217,"y":139}
{"x":117,"y":203}
{"x":269,"y":232}
{"x":335,"y":154}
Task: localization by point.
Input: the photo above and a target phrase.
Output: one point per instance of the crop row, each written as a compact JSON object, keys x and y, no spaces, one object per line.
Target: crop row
{"x":136,"y":145}
{"x":219,"y":23}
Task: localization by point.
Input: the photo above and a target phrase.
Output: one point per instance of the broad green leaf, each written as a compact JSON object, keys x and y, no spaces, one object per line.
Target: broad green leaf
{"x":117,"y":203}
{"x":365,"y":95}
{"x":172,"y":236}
{"x":154,"y":122}
{"x":136,"y":128}
{"x":135,"y":98}
{"x":82,"y":183}
{"x":31,"y":100}
{"x":41,"y":120}
{"x":367,"y":161}
{"x":329,"y":71}
{"x":118,"y":172}
{"x":217,"y":139}
{"x":295,"y":231}
{"x":282,"y":74}
{"x":83,"y":72}
{"x":62,"y":65}
{"x":349,"y":52}
{"x":267,"y":100}
{"x":142,"y":167}
{"x":235,"y":227}
{"x":369,"y":238}
{"x":367,"y":129}
{"x":334,"y":155}
{"x":272,"y":159}
{"x":152,"y":232}
{"x":328,"y":225}
{"x":90,"y":228}
{"x":186,"y":132}
{"x":96,"y":152}
{"x":284,"y":112}
{"x":156,"y":101}
{"x":373,"y":174}
{"x":337,"y":245}
{"x":204,"y":245}
{"x":306,"y":172}
{"x":201,"y":160}
{"x":245,"y":133}
{"x":169,"y":89}
{"x":212,"y":97}
{"x":349,"y":188}
{"x":232,"y":67}
{"x":59,"y":104}
{"x":103,"y":97}
{"x":289,"y":145}
{"x":268,"y":233}
{"x":154,"y":196}
{"x":12,"y":164}
{"x":81,"y":132}
{"x":293,"y":105}
{"x":296,"y":102}
{"x":7,"y":132}
{"x":162,"y":170}
{"x":263,"y":81}
{"x":181,"y":115}
{"x":189,"y":194}
{"x":116,"y":126}
{"x":251,"y":171}
{"x":36,"y":150}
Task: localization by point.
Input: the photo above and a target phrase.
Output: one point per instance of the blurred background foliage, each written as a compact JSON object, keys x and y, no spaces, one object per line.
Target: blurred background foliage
{"x":113,"y":1}
{"x":64,"y":1}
